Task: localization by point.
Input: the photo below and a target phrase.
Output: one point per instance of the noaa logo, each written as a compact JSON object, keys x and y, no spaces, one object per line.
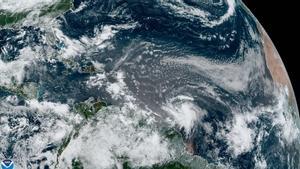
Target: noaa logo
{"x":7,"y":164}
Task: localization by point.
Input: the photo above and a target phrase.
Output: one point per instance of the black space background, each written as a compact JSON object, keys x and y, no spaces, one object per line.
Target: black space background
{"x":281,"y":21}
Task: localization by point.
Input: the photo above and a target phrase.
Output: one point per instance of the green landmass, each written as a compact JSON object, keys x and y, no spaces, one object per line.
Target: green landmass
{"x":57,"y":8}
{"x":172,"y":134}
{"x":64,"y":145}
{"x":90,"y":107}
{"x":9,"y":18}
{"x":16,"y":91}
{"x":28,"y":91}
{"x":89,"y":69}
{"x":76,"y":164}
{"x":169,"y":165}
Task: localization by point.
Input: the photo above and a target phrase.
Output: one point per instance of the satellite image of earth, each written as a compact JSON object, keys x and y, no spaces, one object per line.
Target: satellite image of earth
{"x":142,"y":84}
